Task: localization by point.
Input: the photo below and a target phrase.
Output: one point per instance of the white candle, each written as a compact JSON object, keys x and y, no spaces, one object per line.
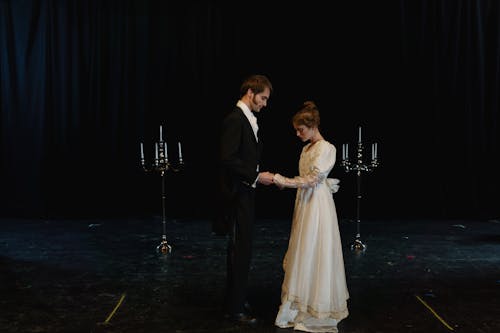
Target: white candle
{"x":359,"y":134}
{"x":180,"y":150}
{"x":373,"y":151}
{"x":142,"y":151}
{"x":165,"y":148}
{"x":347,"y":150}
{"x":161,"y":134}
{"x":343,"y":151}
{"x":156,"y":150}
{"x":376,"y":150}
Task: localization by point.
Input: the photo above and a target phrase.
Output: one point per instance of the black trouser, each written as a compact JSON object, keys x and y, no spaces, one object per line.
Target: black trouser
{"x":239,"y":250}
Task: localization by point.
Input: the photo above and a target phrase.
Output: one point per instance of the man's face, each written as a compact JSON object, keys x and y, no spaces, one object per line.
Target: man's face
{"x":260,"y":100}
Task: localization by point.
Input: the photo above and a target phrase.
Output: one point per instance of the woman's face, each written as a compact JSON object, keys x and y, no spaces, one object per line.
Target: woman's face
{"x":303,"y":132}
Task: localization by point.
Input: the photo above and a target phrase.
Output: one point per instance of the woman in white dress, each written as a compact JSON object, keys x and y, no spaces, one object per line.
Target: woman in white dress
{"x":314,"y":291}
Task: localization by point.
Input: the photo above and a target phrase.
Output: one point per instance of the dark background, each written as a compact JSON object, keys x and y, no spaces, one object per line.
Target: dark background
{"x":84,"y":82}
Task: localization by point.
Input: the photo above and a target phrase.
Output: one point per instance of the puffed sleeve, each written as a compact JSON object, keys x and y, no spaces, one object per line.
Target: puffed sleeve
{"x":322,"y":163}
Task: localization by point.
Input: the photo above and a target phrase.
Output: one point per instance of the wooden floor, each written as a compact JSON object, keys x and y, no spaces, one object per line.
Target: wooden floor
{"x":106,"y":276}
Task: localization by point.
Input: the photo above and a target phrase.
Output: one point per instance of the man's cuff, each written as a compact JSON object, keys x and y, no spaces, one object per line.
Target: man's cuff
{"x":255,"y":181}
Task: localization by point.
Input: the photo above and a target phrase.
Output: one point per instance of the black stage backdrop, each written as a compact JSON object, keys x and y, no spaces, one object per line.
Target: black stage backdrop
{"x":84,"y":82}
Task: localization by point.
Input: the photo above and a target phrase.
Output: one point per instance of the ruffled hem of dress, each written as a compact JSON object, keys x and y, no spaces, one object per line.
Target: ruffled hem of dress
{"x":289,"y":316}
{"x":312,"y":329}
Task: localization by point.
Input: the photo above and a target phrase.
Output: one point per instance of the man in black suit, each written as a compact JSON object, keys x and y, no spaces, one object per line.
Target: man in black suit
{"x":240,"y":152}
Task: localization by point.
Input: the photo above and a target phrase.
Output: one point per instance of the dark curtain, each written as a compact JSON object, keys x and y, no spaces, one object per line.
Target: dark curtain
{"x":84,"y":82}
{"x":449,"y":95}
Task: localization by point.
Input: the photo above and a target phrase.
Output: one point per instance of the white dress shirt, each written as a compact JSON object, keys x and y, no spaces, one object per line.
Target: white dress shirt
{"x":253,"y":121}
{"x":251,"y":118}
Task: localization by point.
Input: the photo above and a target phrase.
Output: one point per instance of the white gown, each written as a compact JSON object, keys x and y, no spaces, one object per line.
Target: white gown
{"x":314,"y":291}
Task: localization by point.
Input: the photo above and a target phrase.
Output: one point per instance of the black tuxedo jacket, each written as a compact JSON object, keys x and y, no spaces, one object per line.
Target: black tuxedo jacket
{"x":240,"y":155}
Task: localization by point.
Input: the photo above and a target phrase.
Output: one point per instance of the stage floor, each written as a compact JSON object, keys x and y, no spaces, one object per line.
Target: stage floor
{"x":106,"y":276}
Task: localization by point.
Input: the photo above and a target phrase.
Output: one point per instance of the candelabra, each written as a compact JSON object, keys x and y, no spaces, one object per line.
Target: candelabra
{"x":359,"y":166}
{"x":162,"y":165}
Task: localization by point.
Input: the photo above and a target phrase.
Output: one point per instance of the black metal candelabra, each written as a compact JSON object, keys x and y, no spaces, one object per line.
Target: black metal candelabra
{"x":162,"y":165}
{"x":359,"y":166}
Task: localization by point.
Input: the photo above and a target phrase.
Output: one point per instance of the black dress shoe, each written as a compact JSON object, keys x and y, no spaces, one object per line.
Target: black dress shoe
{"x":243,"y":318}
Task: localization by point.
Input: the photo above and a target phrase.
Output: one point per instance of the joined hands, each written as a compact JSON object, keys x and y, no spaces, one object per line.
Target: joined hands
{"x":266,"y":178}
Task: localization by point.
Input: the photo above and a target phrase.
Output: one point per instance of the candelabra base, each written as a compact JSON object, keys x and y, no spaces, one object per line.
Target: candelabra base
{"x":358,"y":245}
{"x":164,"y":247}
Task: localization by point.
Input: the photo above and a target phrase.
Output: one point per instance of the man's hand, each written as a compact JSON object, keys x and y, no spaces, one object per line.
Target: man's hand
{"x":265,"y":178}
